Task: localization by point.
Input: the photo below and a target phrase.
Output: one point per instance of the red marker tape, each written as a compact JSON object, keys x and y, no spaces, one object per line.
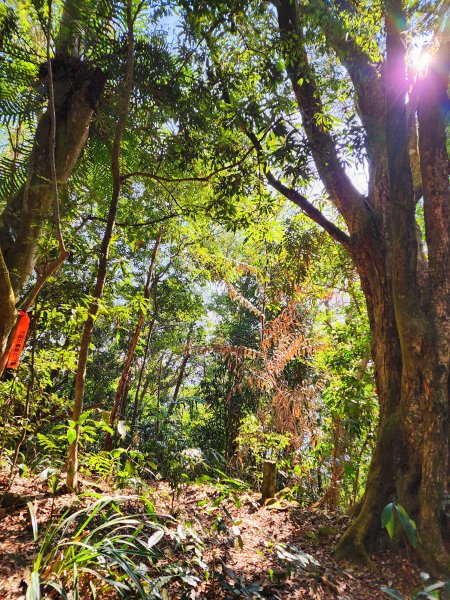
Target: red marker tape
{"x":19,"y":341}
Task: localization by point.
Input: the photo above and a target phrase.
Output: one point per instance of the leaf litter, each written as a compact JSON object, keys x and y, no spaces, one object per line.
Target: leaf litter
{"x":249,"y":551}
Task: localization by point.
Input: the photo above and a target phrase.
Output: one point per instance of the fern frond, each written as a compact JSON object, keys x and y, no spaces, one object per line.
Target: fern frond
{"x":238,"y":297}
{"x":100,"y":463}
{"x":13,"y":172}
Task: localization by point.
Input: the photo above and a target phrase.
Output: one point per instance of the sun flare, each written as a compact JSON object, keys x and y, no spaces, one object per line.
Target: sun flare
{"x":421,"y":64}
{"x":419,"y":59}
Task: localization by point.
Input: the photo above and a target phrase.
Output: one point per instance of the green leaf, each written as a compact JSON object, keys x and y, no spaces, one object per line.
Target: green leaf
{"x":190,"y":580}
{"x":34,"y":589}
{"x":58,"y":588}
{"x":34,"y":522}
{"x":155,"y":538}
{"x":387,"y":519}
{"x":392,"y":593}
{"x":82,"y":418}
{"x":107,"y":428}
{"x":71,"y":435}
{"x":435,"y":586}
{"x":149,"y":506}
{"x":408,"y":524}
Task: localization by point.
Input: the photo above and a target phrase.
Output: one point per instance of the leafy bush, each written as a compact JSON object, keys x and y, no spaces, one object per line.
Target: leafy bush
{"x":98,"y":549}
{"x":256,"y":443}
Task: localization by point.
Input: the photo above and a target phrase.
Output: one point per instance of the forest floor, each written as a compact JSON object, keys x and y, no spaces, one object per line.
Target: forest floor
{"x":266,"y":563}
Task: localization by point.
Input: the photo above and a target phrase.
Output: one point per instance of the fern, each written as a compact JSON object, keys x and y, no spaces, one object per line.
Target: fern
{"x":49,"y":443}
{"x":13,"y":172}
{"x":101,"y":463}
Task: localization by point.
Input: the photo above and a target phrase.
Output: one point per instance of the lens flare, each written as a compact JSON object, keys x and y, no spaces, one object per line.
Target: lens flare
{"x":419,"y":59}
{"x":422,"y":63}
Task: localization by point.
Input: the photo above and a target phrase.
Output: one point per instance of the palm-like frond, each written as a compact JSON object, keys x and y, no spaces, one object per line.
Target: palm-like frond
{"x":13,"y":171}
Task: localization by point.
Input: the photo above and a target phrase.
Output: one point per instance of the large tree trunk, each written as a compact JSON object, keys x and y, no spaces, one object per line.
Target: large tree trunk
{"x":387,"y":359}
{"x":77,"y":88}
{"x":415,"y":429}
{"x":409,"y":463}
{"x":436,"y":382}
{"x":407,"y":293}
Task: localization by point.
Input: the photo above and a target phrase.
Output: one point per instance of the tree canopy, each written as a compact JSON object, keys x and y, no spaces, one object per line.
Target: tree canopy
{"x":229,"y":225}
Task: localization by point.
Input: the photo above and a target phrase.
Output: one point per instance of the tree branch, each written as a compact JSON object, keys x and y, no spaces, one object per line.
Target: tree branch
{"x":309,"y":209}
{"x":363,"y":74}
{"x":343,"y":193}
{"x":161,"y":178}
{"x":127,"y":223}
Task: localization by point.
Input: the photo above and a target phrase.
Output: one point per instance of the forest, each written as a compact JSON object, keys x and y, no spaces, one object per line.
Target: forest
{"x":224,"y":299}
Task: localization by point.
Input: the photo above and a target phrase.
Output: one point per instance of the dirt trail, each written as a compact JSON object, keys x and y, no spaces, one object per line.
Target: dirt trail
{"x":259,"y":553}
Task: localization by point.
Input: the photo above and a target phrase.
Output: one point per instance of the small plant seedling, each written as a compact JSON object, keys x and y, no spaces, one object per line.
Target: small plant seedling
{"x":393,"y":512}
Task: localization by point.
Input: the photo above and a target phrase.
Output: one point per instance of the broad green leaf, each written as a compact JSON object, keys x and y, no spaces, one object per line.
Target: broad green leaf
{"x":387,"y":519}
{"x":408,"y":524}
{"x":71,"y":435}
{"x":107,"y":428}
{"x":82,"y":418}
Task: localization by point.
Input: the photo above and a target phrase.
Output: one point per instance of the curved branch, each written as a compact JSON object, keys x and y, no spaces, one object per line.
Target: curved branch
{"x":161,"y":178}
{"x":310,"y":210}
{"x":299,"y":199}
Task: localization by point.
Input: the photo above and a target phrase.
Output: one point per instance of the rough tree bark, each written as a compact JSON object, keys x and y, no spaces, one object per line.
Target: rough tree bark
{"x":77,"y":88}
{"x":407,"y":294}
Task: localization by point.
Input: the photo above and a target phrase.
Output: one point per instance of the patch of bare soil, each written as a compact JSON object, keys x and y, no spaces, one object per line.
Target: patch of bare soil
{"x":279,"y":552}
{"x":276,"y":545}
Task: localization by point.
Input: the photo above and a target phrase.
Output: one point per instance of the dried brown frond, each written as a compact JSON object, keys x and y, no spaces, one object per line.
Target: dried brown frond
{"x":238,"y":297}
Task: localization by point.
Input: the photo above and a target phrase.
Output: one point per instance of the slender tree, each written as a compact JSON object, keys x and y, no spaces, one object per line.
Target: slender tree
{"x":125,"y":376}
{"x":80,"y":377}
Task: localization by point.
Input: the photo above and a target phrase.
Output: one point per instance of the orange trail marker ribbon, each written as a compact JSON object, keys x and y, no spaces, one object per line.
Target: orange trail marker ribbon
{"x":19,"y":340}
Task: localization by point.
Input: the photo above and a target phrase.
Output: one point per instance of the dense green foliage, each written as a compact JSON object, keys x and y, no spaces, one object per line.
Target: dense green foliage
{"x":254,"y":342}
{"x":214,"y":292}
